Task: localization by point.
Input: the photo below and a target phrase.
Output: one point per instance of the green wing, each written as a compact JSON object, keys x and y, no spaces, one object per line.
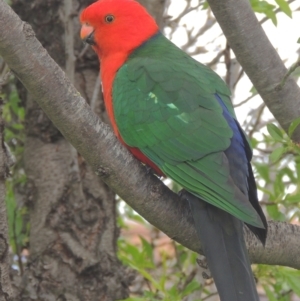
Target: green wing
{"x":165,"y":105}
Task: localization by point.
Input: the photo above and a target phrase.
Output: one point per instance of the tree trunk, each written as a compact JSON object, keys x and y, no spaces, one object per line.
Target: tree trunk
{"x":72,"y":212}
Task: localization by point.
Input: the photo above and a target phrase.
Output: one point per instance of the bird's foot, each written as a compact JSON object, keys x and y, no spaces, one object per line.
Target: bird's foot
{"x":183,"y":195}
{"x":151,"y":171}
{"x":203,"y":265}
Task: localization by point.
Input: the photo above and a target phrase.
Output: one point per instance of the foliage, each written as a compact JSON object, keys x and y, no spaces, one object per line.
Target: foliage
{"x":14,"y":116}
{"x":165,"y":276}
{"x":280,"y":173}
{"x":172,"y":282}
{"x":279,"y":283}
{"x":270,"y":10}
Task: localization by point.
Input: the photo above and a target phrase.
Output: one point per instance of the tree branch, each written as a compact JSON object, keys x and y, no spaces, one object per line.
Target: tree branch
{"x":69,"y":39}
{"x":289,"y":72}
{"x":259,"y":59}
{"x":112,"y":162}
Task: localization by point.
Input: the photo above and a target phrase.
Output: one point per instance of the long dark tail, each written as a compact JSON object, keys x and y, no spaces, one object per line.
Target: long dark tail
{"x":223,"y":244}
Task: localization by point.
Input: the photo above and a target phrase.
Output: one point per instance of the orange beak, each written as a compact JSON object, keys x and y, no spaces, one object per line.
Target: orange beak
{"x":87,"y":34}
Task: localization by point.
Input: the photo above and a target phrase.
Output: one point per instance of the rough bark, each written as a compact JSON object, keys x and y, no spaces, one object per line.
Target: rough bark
{"x":6,"y":291}
{"x":72,"y":212}
{"x":97,"y":144}
{"x":259,"y":59}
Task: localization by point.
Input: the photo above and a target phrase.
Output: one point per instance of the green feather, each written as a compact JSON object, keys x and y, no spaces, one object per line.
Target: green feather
{"x":165,"y":105}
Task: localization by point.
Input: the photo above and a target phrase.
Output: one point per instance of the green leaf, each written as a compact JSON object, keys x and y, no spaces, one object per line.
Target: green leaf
{"x":191,"y":287}
{"x":271,"y":296}
{"x":263,"y":170}
{"x":277,"y":154}
{"x":266,"y":191}
{"x":275,"y":132}
{"x":286,"y":171}
{"x":298,"y":41}
{"x":294,"y":284}
{"x":294,"y":124}
{"x":265,"y":8}
{"x":205,"y":5}
{"x":138,"y":218}
{"x":253,"y":90}
{"x":272,"y":16}
{"x":279,"y":186}
{"x":274,"y":213}
{"x":254,"y":142}
{"x":284,"y":6}
{"x":183,"y":257}
{"x":292,"y":198}
{"x":173,"y":293}
{"x":147,"y":250}
{"x":292,"y":278}
{"x":150,"y":296}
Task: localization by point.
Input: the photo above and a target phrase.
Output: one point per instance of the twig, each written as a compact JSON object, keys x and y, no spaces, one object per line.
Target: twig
{"x":263,"y":20}
{"x":216,"y":59}
{"x":227,"y":59}
{"x":210,"y":295}
{"x":210,"y":21}
{"x":187,"y":10}
{"x":265,"y":151}
{"x":148,"y":284}
{"x":238,"y":79}
{"x":69,"y":39}
{"x":290,"y":71}
{"x":265,"y":203}
{"x":189,"y":278}
{"x":95,"y":94}
{"x":257,"y":121}
{"x":244,"y":101}
{"x":83,"y":51}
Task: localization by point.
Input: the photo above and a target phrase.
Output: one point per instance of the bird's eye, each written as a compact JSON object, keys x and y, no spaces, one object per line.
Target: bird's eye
{"x":109,"y":18}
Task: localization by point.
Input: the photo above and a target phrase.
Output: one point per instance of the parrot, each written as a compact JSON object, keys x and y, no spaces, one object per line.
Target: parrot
{"x":175,"y":115}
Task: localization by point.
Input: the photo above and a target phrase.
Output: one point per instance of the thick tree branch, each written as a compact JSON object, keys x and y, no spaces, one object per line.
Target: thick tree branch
{"x":259,"y":59}
{"x":96,"y":142}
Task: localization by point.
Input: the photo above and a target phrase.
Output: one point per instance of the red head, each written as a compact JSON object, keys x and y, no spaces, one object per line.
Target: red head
{"x":114,"y":26}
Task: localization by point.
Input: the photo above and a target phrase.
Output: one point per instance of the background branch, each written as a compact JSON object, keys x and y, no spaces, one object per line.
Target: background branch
{"x":67,"y":16}
{"x":259,"y":59}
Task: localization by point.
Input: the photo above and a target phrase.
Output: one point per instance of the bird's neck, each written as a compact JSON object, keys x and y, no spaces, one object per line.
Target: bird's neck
{"x":110,"y":63}
{"x":109,"y":66}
